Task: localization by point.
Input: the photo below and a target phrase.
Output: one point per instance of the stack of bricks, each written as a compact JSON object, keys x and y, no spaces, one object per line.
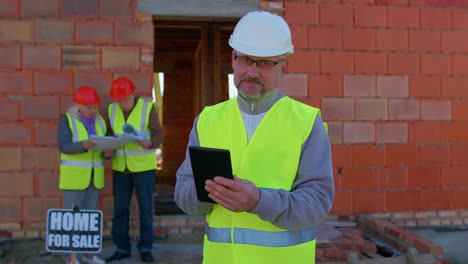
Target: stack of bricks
{"x":431,"y":218}
{"x":352,"y":239}
{"x":397,"y":237}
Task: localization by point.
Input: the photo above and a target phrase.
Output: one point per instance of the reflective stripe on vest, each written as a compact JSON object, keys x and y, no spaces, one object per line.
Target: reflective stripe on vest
{"x":84,"y":164}
{"x":75,"y":128}
{"x":144,"y":110}
{"x":132,"y":156}
{"x":76,"y":169}
{"x":259,"y":238}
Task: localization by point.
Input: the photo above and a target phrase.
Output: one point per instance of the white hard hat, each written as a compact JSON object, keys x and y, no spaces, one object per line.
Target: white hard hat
{"x":262,"y":34}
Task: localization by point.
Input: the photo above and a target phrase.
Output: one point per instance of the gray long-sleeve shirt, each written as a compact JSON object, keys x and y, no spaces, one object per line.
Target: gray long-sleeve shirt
{"x":65,"y":136}
{"x":311,"y":196}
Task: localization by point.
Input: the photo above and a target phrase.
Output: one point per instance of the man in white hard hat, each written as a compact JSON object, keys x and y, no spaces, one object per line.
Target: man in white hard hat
{"x":280,"y":153}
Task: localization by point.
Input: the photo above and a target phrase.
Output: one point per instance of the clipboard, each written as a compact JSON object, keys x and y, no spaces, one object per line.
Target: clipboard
{"x":208,"y":163}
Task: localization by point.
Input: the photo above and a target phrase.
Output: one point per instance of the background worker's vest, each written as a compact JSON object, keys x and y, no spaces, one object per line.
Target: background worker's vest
{"x":75,"y":169}
{"x":270,"y":160}
{"x":132,"y":156}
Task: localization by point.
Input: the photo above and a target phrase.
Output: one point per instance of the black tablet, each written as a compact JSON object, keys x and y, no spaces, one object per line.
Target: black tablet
{"x":208,"y":163}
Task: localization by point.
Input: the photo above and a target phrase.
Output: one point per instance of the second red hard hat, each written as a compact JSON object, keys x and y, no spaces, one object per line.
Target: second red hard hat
{"x":121,"y":88}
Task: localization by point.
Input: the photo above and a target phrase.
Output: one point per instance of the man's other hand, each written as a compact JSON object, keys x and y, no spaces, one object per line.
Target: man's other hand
{"x":146,"y":144}
{"x":237,"y":195}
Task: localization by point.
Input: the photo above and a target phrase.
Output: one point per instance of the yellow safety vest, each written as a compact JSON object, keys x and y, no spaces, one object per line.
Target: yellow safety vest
{"x":132,"y":156}
{"x":75,"y":169}
{"x":269,"y":160}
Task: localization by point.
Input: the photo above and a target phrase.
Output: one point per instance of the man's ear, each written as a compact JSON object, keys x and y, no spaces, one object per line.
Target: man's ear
{"x":232,"y":58}
{"x":284,"y":68}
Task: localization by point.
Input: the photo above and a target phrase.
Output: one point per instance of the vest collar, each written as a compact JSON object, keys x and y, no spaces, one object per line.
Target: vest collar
{"x":259,"y":107}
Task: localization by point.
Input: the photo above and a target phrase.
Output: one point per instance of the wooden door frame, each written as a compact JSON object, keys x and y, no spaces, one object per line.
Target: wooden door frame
{"x":208,"y":67}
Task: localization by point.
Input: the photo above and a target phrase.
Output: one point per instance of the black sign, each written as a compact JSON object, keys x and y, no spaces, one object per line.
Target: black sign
{"x":74,"y":231}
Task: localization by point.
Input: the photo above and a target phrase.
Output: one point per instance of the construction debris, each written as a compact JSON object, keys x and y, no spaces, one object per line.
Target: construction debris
{"x":412,"y":257}
{"x":373,"y":240}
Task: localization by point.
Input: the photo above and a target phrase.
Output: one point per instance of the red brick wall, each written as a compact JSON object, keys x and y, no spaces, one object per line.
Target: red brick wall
{"x":391,"y":78}
{"x":47,"y":50}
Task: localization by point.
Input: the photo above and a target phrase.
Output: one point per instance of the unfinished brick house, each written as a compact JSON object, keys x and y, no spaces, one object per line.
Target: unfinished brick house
{"x":391,"y":78}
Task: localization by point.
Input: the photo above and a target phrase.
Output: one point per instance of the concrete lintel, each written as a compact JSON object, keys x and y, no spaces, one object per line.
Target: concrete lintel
{"x":197,"y":8}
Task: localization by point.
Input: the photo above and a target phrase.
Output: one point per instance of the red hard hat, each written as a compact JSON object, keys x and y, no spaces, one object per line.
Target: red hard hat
{"x":121,"y":88}
{"x":86,"y":95}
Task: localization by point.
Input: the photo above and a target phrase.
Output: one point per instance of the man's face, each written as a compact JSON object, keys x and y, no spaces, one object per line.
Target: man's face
{"x":127,"y":103}
{"x":255,"y":77}
{"x":88,"y":111}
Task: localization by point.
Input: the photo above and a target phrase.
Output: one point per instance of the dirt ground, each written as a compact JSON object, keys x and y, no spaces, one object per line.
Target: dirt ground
{"x":168,"y":251}
{"x":27,"y":251}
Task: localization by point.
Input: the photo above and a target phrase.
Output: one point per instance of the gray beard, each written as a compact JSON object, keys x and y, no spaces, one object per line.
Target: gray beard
{"x":257,"y":98}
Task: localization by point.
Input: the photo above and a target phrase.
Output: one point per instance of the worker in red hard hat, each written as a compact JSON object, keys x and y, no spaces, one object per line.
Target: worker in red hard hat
{"x":122,"y":90}
{"x":81,"y":166}
{"x":133,"y":166}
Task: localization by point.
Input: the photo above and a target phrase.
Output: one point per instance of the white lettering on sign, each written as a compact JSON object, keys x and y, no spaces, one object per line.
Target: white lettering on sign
{"x":57,"y":240}
{"x":78,"y":222}
{"x":74,"y":231}
{"x":85,"y":241}
{"x":55,"y":221}
{"x":67,"y":221}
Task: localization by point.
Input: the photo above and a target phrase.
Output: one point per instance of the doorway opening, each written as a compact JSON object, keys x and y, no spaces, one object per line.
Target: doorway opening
{"x":194,"y":59}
